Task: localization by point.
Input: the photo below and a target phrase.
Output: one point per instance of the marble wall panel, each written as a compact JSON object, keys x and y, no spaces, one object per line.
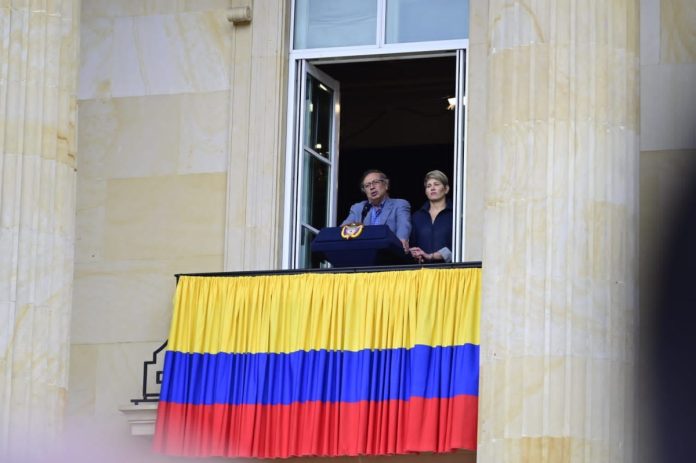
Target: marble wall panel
{"x":476,"y":145}
{"x":119,"y":374}
{"x":151,"y":186}
{"x":204,"y":130}
{"x":153,"y":135}
{"x":97,"y":48}
{"x":110,"y":8}
{"x":159,"y":54}
{"x":478,"y":22}
{"x":121,"y":302}
{"x":649,"y":32}
{"x":90,"y":213}
{"x":668,"y":112}
{"x":678,"y":36}
{"x":103,"y":378}
{"x":105,"y":439}
{"x":98,"y":127}
{"x":129,"y":301}
{"x":533,"y":387}
{"x":668,"y":70}
{"x":165,"y":217}
{"x":145,"y":139}
{"x":84,"y":359}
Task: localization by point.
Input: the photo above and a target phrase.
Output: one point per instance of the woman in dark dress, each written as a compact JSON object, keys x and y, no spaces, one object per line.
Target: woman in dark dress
{"x":431,"y":233}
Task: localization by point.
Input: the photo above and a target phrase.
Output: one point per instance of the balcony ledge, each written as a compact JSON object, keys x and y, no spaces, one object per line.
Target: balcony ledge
{"x":141,"y":417}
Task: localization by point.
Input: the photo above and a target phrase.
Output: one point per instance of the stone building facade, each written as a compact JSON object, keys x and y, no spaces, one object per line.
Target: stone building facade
{"x":141,"y":139}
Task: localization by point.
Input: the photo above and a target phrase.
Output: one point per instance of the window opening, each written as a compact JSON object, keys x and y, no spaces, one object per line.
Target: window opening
{"x":394,"y":117}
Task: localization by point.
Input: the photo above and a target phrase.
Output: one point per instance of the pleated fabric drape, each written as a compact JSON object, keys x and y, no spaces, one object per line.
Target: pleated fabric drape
{"x":322,"y":364}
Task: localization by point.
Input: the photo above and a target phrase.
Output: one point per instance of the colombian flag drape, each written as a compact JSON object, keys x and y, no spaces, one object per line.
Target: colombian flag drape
{"x":322,"y":364}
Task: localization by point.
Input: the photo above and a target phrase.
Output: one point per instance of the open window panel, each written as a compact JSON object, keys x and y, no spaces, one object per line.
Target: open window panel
{"x":396,"y":115}
{"x":317,"y":146}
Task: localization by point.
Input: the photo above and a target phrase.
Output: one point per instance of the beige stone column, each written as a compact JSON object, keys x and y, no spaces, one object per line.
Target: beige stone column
{"x":38,"y":69}
{"x":256,"y":153}
{"x":560,"y":235}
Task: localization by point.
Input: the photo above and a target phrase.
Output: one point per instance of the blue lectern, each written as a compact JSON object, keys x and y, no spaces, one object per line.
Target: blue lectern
{"x":374,"y":245}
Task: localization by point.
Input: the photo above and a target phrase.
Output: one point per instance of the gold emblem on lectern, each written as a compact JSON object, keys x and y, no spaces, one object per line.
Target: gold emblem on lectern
{"x":351,"y":230}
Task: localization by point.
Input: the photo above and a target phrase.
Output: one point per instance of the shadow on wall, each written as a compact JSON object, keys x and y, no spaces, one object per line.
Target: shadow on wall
{"x":673,"y":344}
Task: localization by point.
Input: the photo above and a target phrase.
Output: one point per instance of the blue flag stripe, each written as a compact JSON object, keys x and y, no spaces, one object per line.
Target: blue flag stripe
{"x":329,"y":376}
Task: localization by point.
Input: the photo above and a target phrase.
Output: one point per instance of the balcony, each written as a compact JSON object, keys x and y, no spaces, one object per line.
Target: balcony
{"x":363,"y":327}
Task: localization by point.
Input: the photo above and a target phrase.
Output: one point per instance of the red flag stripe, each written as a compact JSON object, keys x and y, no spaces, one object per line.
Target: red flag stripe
{"x":318,"y":428}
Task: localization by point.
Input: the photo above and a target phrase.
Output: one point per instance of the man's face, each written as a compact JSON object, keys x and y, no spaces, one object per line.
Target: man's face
{"x":375,"y":188}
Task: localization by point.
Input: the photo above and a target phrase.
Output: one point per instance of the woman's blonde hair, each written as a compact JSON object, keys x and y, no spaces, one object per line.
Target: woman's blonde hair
{"x":436,"y":175}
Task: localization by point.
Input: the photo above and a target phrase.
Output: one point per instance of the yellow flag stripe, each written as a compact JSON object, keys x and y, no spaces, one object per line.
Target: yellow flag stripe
{"x":313,"y":311}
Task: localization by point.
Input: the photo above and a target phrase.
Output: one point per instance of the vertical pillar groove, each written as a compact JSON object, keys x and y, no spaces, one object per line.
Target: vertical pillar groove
{"x":258,"y":88}
{"x":560,"y":232}
{"x":39,"y":44}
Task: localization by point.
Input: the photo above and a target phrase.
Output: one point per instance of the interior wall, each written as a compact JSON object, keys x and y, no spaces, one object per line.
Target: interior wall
{"x":668,"y":159}
{"x":153,"y":104}
{"x":395,"y":118}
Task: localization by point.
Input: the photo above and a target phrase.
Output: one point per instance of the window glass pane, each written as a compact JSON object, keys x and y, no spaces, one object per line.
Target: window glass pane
{"x":315,"y":192}
{"x":335,"y":23}
{"x":319,"y":110}
{"x":427,"y":20}
{"x":307,"y":260}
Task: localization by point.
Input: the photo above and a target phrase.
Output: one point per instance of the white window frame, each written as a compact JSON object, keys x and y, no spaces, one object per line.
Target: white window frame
{"x":378,"y":51}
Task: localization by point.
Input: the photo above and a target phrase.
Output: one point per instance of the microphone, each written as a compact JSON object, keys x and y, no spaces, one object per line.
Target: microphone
{"x":366,"y":208}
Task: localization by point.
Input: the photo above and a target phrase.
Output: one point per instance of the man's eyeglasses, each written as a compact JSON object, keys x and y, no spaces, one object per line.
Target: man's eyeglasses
{"x":367,"y":185}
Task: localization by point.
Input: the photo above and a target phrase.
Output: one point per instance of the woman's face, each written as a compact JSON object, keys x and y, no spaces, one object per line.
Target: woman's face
{"x":435,"y":190}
